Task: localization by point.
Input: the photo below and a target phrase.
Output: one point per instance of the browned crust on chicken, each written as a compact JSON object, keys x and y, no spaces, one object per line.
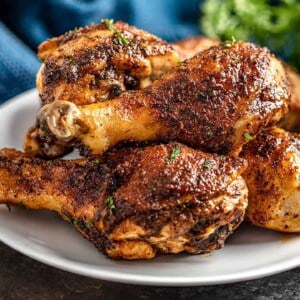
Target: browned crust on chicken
{"x":220,"y":94}
{"x":100,"y":61}
{"x":191,"y":46}
{"x":273,"y":179}
{"x":209,"y":102}
{"x":127,"y":208}
{"x":291,"y":120}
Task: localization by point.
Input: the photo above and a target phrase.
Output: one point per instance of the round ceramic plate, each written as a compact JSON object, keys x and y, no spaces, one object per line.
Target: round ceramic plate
{"x":249,"y":253}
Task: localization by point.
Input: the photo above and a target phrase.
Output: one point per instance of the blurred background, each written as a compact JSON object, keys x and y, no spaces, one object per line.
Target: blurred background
{"x":24,"y":24}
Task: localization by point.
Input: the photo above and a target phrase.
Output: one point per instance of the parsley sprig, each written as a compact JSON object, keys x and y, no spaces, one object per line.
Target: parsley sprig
{"x":110,"y":203}
{"x":274,"y":24}
{"x":175,"y":152}
{"x":248,"y":137}
{"x":109,"y":23}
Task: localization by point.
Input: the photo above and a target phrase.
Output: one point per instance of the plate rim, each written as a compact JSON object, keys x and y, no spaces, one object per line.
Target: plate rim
{"x":150,"y":280}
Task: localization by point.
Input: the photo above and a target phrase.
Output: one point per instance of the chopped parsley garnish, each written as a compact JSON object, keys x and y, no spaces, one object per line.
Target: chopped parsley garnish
{"x":207,"y":164}
{"x":197,"y":95}
{"x":75,"y":221}
{"x":88,"y":223}
{"x":175,"y":152}
{"x":228,"y":44}
{"x":122,"y":40}
{"x":248,"y":137}
{"x":72,"y":220}
{"x":110,"y":203}
{"x":69,"y":219}
{"x":109,"y":23}
{"x":96,"y":161}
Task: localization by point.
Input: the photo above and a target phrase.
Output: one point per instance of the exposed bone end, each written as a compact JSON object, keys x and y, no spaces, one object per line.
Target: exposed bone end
{"x":61,"y":118}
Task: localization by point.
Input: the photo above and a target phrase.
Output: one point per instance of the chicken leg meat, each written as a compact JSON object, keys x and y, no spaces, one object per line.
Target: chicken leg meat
{"x":191,"y":201}
{"x":213,"y":102}
{"x":273,"y":179}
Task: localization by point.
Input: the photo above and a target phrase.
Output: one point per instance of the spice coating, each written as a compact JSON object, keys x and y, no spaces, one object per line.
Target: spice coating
{"x":100,"y":61}
{"x":208,"y":102}
{"x":127,"y":208}
{"x":273,"y":179}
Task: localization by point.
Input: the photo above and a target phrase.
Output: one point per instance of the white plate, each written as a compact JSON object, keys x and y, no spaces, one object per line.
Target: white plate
{"x":249,"y":253}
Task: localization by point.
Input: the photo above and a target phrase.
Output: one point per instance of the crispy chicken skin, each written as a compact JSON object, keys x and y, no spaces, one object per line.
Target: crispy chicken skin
{"x":98,"y":62}
{"x":208,"y":102}
{"x":189,"y":47}
{"x":291,"y":120}
{"x":273,"y":179}
{"x":191,"y":201}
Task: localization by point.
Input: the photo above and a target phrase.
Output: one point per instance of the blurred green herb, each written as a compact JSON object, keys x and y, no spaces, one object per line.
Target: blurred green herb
{"x":275,"y":24}
{"x":175,"y":152}
{"x":109,"y":23}
{"x":88,"y":223}
{"x":110,"y":203}
{"x":207,"y":164}
{"x":248,"y":137}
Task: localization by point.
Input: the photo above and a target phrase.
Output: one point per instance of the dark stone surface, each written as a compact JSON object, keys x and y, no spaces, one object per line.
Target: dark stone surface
{"x":24,"y":278}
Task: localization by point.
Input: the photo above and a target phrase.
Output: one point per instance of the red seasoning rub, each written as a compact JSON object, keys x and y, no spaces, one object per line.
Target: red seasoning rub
{"x":135,"y":203}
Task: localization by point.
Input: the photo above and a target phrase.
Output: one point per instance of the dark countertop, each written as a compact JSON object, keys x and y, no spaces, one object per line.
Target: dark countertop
{"x":24,"y":278}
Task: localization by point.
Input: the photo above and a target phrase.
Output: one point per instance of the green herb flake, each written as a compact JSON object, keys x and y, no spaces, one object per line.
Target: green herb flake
{"x":207,"y":164}
{"x":227,"y":45}
{"x":110,"y":203}
{"x":248,"y":137}
{"x":88,"y":223}
{"x":122,"y":40}
{"x":175,"y":152}
{"x":196,"y":96}
{"x":96,"y":161}
{"x":75,"y":221}
{"x":69,"y":219}
{"x":109,"y":23}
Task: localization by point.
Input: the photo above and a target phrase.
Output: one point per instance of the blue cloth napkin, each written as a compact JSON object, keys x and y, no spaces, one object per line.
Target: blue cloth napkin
{"x":24,"y":24}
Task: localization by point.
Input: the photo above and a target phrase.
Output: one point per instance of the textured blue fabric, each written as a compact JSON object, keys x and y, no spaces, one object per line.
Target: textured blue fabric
{"x":26,"y":23}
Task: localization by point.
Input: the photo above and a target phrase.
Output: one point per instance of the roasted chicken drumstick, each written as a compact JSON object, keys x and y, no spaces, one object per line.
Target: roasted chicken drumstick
{"x":291,"y":120}
{"x":191,"y":201}
{"x":273,"y":179}
{"x":98,"y":62}
{"x":189,"y":47}
{"x":213,"y":102}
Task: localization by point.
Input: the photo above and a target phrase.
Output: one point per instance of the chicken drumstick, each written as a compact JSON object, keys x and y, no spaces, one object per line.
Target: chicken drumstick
{"x":273,"y":179}
{"x":191,"y":201}
{"x":213,"y":102}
